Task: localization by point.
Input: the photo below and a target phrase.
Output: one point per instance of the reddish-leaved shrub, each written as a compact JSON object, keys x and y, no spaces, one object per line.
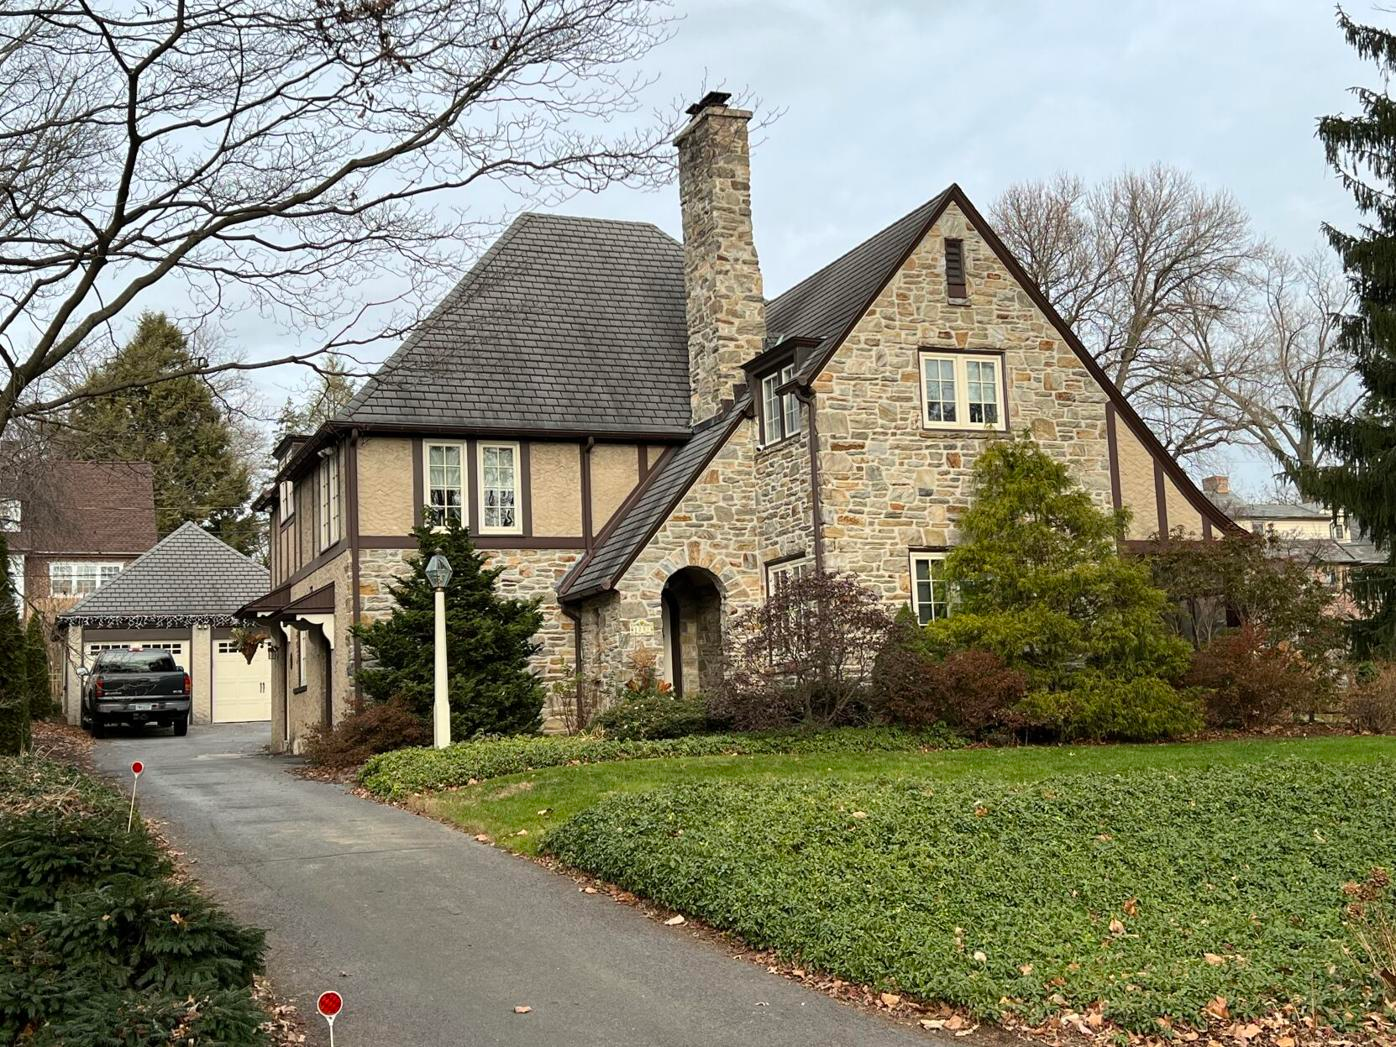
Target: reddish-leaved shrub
{"x":371,"y":728}
{"x":970,"y":691}
{"x":1251,"y":683}
{"x":1371,"y":703}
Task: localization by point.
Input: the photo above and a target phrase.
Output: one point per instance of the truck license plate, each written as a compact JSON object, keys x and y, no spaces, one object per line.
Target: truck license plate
{"x":140,"y":707}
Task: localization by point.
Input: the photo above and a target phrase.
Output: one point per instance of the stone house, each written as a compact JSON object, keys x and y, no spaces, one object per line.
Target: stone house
{"x":648,"y":444}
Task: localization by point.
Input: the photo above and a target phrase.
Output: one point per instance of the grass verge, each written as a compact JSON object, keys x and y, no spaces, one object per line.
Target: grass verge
{"x":1172,"y":894}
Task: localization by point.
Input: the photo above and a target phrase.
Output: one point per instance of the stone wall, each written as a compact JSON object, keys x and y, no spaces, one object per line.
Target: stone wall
{"x":888,"y":485}
{"x":782,"y":476}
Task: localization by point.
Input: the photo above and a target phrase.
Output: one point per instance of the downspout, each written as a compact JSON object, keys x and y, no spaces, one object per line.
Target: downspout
{"x":351,"y":495}
{"x":586,"y":492}
{"x":805,"y":395}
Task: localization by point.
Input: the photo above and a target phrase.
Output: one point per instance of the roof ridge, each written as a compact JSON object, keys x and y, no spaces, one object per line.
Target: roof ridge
{"x":595,"y":220}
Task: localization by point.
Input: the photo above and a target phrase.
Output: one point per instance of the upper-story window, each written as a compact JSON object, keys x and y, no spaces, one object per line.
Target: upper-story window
{"x":445,"y":482}
{"x":78,"y":578}
{"x":11,"y":514}
{"x":327,"y":490}
{"x":780,"y":414}
{"x":962,"y":391}
{"x":500,"y":501}
{"x":930,"y":592}
{"x":286,"y":494}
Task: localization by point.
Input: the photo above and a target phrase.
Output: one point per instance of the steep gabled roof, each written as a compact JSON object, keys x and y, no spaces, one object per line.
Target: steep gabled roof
{"x":565,"y":324}
{"x":189,"y":577}
{"x":636,"y":523}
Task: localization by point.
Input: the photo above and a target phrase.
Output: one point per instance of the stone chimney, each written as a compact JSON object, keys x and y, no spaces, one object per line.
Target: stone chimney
{"x":722,"y":278}
{"x":1216,"y":485}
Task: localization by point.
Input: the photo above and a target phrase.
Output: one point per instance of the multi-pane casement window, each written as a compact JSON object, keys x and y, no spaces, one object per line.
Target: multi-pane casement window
{"x":500,"y":504}
{"x":962,"y":391}
{"x":80,"y":577}
{"x":11,"y":514}
{"x":780,"y":415}
{"x":782,"y":572}
{"x":445,"y":475}
{"x":327,"y":490}
{"x":286,"y":493}
{"x":931,"y":597}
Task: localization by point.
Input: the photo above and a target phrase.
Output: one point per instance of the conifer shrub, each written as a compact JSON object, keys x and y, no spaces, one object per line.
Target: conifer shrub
{"x":489,"y":640}
{"x":1100,"y":708}
{"x":36,"y":670}
{"x":14,"y":666}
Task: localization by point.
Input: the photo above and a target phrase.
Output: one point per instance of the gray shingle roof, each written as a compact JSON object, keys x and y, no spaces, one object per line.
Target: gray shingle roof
{"x":565,"y":323}
{"x":827,"y":303}
{"x":656,"y":500}
{"x":189,"y":576}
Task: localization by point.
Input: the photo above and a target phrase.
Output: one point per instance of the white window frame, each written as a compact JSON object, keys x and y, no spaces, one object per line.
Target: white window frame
{"x":780,"y":415}
{"x":327,"y":484}
{"x":286,"y":492}
{"x":777,"y":574}
{"x":463,"y":457}
{"x":300,"y":658}
{"x":104,"y":571}
{"x":960,"y":368}
{"x":484,"y":527}
{"x":929,"y":556}
{"x":11,"y":515}
{"x":16,"y":566}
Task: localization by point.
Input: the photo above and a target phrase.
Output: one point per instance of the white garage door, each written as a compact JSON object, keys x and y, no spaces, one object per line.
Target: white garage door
{"x":241,"y":692}
{"x":175,"y":647}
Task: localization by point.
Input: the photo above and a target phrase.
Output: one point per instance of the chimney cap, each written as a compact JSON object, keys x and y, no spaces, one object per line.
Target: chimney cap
{"x":713,"y":99}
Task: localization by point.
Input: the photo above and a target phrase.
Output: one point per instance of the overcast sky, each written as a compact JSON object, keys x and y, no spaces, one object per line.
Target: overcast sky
{"x":888,"y":101}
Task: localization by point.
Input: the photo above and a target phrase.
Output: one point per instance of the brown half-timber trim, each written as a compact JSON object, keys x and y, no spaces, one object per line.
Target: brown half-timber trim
{"x":471,"y":513}
{"x":318,"y":562}
{"x":954,"y":194}
{"x":644,"y":463}
{"x":816,"y":509}
{"x":419,"y":495}
{"x":351,"y":493}
{"x":1116,"y":496}
{"x":587,"y":536}
{"x":525,"y":487}
{"x":1161,"y":499}
{"x":480,"y":541}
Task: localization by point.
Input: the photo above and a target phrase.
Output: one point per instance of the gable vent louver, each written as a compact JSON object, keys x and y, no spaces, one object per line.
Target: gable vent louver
{"x":955,"y":269}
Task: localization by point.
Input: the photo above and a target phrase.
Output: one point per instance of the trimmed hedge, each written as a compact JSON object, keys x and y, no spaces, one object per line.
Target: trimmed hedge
{"x":98,"y":945}
{"x":653,"y":716}
{"x":1152,"y":893}
{"x":408,"y":771}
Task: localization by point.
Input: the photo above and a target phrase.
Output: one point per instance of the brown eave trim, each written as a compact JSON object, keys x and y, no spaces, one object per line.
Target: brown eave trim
{"x":776,"y":354}
{"x":1112,"y":444}
{"x":480,"y":541}
{"x":1161,"y":499}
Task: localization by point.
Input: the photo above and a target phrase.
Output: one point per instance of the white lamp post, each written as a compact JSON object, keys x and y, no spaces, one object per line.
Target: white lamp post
{"x":439,"y":574}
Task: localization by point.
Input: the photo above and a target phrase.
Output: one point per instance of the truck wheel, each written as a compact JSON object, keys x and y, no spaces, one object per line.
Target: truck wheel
{"x":181,"y":727}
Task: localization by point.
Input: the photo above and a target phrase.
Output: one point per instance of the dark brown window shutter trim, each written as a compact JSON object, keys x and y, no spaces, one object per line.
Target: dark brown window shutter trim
{"x":955,"y":269}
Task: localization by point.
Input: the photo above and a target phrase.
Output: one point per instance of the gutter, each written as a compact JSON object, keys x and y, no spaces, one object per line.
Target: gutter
{"x":351,"y":495}
{"x":805,"y":394}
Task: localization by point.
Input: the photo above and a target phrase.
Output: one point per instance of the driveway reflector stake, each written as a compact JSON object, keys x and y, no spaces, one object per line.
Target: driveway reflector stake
{"x":136,"y":768}
{"x":329,"y":1005}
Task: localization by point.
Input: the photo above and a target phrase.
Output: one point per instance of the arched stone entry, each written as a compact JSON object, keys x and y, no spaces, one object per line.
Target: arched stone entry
{"x":693,"y":630}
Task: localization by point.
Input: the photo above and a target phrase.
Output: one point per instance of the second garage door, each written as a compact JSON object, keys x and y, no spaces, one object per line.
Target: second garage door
{"x":241,"y":691}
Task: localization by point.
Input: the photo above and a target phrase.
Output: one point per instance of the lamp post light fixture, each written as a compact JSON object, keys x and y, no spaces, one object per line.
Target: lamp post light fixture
{"x":439,"y":575}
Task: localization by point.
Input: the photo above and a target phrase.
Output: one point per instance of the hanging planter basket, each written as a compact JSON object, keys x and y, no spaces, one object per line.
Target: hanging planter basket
{"x":248,"y":638}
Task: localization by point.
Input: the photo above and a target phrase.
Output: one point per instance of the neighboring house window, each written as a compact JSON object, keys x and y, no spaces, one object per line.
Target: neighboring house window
{"x":930,"y":592}
{"x":11,"y":514}
{"x":499,"y":489}
{"x":327,"y":479}
{"x":780,"y":415}
{"x":962,"y":391}
{"x":778,"y":574}
{"x":80,"y":578}
{"x":17,"y":578}
{"x":445,"y":482}
{"x":287,"y":493}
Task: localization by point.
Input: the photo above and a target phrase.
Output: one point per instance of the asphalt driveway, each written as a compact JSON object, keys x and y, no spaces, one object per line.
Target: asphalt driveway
{"x":432,"y":938}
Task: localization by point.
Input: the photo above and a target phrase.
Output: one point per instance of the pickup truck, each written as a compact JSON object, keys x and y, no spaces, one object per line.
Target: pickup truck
{"x":138,"y":687}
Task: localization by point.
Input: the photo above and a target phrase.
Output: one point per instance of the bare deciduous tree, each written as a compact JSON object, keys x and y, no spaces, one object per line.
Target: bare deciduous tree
{"x":1214,"y":336}
{"x":282,"y":152}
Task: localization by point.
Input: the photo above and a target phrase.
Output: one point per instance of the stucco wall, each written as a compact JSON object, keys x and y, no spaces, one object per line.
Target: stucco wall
{"x":1137,"y":490}
{"x":615,"y":470}
{"x":338,"y":572}
{"x":385,"y":485}
{"x":887,"y":484}
{"x":201,"y":674}
{"x":555,"y":481}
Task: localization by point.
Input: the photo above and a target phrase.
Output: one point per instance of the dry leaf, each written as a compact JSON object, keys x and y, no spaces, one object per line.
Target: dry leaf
{"x":1214,"y":959}
{"x":1217,"y":1007}
{"x":481,"y":838}
{"x":588,"y":890}
{"x":675,"y":921}
{"x":1248,"y":1032}
{"x":1116,"y":927}
{"x":933,"y":1023}
{"x":1132,"y":907}
{"x":1284,"y":1041}
{"x":954,"y":1022}
{"x":890,"y":999}
{"x":859,"y":814}
{"x":979,"y":956}
{"x":1025,"y":969}
{"x":522,"y":1008}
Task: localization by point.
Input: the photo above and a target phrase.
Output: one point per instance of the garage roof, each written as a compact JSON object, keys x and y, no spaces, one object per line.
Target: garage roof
{"x":188,"y":578}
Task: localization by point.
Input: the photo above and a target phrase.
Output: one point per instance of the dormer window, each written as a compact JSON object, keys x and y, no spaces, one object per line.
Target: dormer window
{"x":780,"y":415}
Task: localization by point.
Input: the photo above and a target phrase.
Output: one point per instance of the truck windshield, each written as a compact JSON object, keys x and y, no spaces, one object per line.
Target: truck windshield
{"x":135,"y":662}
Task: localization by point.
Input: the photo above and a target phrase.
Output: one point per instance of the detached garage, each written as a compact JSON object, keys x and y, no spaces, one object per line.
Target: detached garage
{"x":182,"y":596}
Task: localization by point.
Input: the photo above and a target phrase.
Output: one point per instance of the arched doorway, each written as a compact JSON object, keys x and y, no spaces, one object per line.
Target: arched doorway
{"x":693,"y":631}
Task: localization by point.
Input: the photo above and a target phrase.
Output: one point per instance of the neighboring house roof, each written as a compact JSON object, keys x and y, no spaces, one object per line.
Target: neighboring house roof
{"x":637,"y":521}
{"x":86,"y":508}
{"x":1277,"y":511}
{"x":565,"y":324}
{"x":189,"y":578}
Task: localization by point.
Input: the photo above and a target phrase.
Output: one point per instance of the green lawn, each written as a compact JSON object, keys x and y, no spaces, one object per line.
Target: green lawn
{"x":538,"y":800}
